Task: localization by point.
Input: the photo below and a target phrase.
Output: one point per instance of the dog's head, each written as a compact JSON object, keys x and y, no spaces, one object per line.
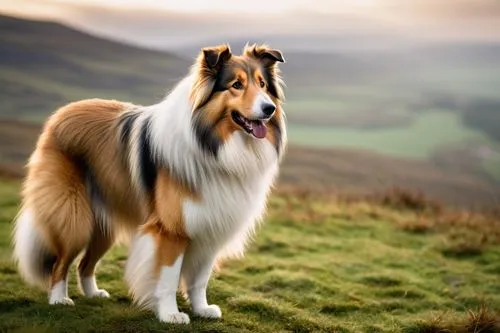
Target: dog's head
{"x":237,"y":93}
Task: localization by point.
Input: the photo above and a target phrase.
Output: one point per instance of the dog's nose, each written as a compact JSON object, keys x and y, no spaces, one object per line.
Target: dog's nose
{"x":268,"y":109}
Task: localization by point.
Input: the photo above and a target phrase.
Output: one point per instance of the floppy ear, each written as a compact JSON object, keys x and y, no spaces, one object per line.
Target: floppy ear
{"x":212,"y":58}
{"x":209,"y":63}
{"x":269,"y":59}
{"x":266,"y":55}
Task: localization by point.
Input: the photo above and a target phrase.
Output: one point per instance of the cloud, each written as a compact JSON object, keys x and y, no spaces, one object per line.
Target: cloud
{"x":454,"y":10}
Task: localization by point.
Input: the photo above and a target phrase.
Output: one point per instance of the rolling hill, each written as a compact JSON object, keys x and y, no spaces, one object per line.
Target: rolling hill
{"x":44,"y":65}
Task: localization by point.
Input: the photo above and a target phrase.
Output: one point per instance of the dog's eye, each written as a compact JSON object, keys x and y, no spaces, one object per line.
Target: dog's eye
{"x":262,"y":84}
{"x":238,"y":85}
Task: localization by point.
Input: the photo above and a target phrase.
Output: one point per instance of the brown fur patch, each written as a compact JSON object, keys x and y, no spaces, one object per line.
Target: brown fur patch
{"x":168,"y":246}
{"x":55,"y":192}
{"x":169,"y":196}
{"x":99,"y":244}
{"x":61,"y":267}
{"x":87,"y":131}
{"x":166,"y":223}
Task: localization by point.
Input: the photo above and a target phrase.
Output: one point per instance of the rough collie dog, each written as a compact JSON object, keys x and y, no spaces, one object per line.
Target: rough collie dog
{"x":188,"y":177}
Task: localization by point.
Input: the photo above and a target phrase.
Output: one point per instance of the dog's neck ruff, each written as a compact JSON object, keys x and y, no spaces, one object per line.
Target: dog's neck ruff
{"x":165,"y":131}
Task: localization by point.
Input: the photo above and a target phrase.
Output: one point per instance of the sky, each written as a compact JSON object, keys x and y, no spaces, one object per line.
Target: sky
{"x":171,"y":24}
{"x":191,"y":6}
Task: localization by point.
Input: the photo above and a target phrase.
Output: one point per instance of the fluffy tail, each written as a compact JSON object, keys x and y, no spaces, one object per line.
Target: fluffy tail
{"x":33,"y":257}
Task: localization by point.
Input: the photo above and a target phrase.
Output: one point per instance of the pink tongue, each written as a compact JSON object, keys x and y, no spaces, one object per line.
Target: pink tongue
{"x":259,"y":130}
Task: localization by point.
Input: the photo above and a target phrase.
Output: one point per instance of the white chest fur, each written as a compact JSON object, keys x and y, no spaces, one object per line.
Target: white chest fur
{"x":231,"y":203}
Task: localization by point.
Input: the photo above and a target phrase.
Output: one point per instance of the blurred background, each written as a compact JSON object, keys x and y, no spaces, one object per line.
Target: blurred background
{"x":380,"y":93}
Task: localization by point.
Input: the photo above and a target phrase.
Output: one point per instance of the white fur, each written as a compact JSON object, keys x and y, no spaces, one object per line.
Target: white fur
{"x":259,"y":101}
{"x":29,"y":249}
{"x":135,"y":149}
{"x":59,"y":294}
{"x":195,"y":283}
{"x":175,"y":318}
{"x":228,"y":208}
{"x":172,"y":135}
{"x":90,"y":289}
{"x":139,"y":271}
{"x":166,"y":294}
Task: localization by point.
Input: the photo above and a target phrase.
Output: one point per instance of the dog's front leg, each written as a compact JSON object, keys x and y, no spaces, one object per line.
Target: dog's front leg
{"x":166,"y":293}
{"x":196,"y":275}
{"x":153,"y":270}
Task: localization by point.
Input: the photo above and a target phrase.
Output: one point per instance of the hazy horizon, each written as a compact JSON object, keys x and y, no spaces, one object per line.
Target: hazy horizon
{"x":180,"y":24}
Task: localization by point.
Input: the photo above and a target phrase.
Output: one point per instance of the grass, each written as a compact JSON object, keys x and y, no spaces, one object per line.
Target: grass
{"x":417,"y":140}
{"x":317,"y":264}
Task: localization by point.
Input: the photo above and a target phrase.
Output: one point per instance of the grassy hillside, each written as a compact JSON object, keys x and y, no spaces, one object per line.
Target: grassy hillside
{"x":353,"y":171}
{"x":318,"y":264}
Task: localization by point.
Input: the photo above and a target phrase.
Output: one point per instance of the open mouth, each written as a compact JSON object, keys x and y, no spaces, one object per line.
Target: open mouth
{"x":255,"y":127}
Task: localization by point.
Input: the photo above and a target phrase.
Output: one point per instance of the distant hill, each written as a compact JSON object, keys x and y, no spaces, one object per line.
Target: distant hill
{"x":44,"y":65}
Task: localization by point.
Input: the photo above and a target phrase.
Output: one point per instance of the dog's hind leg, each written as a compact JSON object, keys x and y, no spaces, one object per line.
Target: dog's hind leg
{"x":99,"y":244}
{"x":55,"y":196}
{"x":59,"y":280}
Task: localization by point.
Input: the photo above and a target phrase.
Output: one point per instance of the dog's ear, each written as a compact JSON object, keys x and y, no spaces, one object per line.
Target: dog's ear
{"x":212,"y":58}
{"x":208,"y":65}
{"x":269,"y":57}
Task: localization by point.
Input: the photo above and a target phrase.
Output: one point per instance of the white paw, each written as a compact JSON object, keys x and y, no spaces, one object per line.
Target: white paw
{"x":62,"y":300}
{"x":174,"y":318}
{"x":99,"y":293}
{"x":211,"y":311}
